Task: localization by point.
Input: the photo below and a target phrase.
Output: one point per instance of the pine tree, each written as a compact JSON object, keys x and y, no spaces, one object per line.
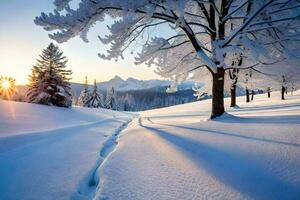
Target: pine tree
{"x":49,"y":79}
{"x":85,"y":96}
{"x":110,"y":99}
{"x":95,"y":98}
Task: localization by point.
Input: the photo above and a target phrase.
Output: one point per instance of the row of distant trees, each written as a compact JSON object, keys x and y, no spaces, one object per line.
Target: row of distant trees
{"x":253,"y":82}
{"x":95,"y":99}
{"x":132,"y":100}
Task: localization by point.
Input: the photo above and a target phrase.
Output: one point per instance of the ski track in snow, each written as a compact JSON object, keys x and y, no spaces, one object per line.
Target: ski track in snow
{"x":177,"y":153}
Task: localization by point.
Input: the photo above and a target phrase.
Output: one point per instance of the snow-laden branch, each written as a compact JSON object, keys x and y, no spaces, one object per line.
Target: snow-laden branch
{"x":200,"y":32}
{"x":230,"y":15}
{"x":246,"y":23}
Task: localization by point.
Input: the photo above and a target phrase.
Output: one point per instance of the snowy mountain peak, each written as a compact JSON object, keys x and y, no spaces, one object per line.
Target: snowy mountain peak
{"x":116,"y":81}
{"x":131,"y":79}
{"x":117,"y":78}
{"x":131,"y":84}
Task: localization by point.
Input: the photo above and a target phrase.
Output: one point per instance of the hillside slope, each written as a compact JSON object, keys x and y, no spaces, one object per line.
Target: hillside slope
{"x":176,"y":153}
{"x":52,"y":153}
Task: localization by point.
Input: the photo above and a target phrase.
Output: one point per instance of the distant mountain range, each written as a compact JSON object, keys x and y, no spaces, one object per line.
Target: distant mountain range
{"x":136,"y":95}
{"x":130,"y":84}
{"x":122,"y":85}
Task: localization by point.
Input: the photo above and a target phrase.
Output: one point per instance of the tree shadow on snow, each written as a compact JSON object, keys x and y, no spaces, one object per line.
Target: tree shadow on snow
{"x":270,"y":107}
{"x":281,"y":119}
{"x":234,"y":169}
{"x":234,"y":135}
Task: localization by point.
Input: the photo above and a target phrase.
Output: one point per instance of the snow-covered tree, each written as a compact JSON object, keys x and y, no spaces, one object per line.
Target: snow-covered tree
{"x":204,"y":36}
{"x":95,"y":100}
{"x":49,"y":80}
{"x":233,"y":77}
{"x":85,"y":95}
{"x":248,"y":83}
{"x":282,"y":76}
{"x":260,"y":81}
{"x":293,"y":82}
{"x":110,"y":99}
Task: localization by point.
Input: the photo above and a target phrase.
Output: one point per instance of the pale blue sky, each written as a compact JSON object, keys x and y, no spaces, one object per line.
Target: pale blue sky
{"x":21,"y":41}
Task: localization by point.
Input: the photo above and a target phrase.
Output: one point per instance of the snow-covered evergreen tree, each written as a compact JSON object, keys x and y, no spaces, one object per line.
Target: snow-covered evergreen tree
{"x":110,"y":99}
{"x":49,"y":80}
{"x":95,"y":100}
{"x":85,"y":96}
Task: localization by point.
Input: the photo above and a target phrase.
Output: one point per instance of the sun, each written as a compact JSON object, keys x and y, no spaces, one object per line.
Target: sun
{"x":5,"y":84}
{"x":7,"y":87}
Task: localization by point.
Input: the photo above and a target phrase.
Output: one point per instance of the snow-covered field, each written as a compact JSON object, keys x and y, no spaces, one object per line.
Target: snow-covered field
{"x":52,"y":153}
{"x":253,"y":152}
{"x":175,"y":153}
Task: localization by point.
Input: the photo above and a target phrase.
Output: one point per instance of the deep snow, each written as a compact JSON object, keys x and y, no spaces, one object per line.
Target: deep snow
{"x":53,"y":153}
{"x":253,"y":152}
{"x":170,"y":153}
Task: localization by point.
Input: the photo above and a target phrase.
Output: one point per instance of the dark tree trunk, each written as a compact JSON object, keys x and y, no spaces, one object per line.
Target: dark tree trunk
{"x":233,"y":95}
{"x":247,"y":95}
{"x":269,"y":92}
{"x":252,"y":95}
{"x":282,"y":92}
{"x":218,"y":94}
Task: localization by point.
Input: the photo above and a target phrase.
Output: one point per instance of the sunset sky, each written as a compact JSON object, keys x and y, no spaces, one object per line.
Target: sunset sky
{"x":21,"y":41}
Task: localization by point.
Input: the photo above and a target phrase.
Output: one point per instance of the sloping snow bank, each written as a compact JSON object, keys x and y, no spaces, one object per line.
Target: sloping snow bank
{"x":23,"y":118}
{"x":52,"y":153}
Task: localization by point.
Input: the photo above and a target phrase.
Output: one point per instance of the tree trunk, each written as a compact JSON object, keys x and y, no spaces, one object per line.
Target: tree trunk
{"x":286,"y":90}
{"x":247,"y":95}
{"x":218,"y":94}
{"x":282,"y":92}
{"x":233,"y":95}
{"x":269,"y":92}
{"x":252,"y":95}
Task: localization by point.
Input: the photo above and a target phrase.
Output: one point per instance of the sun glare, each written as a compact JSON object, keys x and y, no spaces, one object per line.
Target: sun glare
{"x":5,"y":84}
{"x":7,"y":87}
